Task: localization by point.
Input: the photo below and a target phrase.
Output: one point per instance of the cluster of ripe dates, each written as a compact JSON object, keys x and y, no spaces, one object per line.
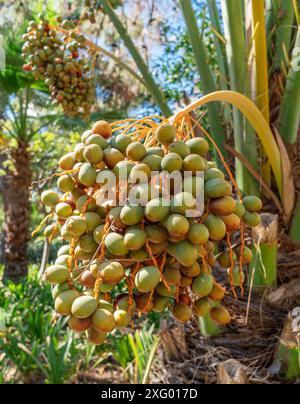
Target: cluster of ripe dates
{"x":118,"y":261}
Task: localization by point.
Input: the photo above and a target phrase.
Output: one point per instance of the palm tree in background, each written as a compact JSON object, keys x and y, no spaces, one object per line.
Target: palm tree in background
{"x":18,"y":129}
{"x":24,"y":111}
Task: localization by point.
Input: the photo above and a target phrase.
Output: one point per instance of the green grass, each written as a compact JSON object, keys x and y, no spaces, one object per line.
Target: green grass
{"x":135,"y":353}
{"x":34,"y":344}
{"x":30,"y":340}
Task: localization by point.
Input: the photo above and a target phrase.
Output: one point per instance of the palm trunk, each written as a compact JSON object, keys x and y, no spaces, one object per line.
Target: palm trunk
{"x":3,"y":185}
{"x":219,"y":44}
{"x":289,"y":116}
{"x":207,"y":78}
{"x":271,"y":10}
{"x":295,"y":230}
{"x":261,"y":74}
{"x":284,"y":31}
{"x":244,"y":136}
{"x":152,"y":86}
{"x":263,"y":269}
{"x":17,"y":214}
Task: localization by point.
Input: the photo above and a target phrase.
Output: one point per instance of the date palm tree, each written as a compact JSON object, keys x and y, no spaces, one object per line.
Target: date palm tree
{"x":18,"y":128}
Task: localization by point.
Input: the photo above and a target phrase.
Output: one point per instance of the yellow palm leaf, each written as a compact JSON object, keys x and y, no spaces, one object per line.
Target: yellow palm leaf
{"x":3,"y":141}
{"x":254,"y":116}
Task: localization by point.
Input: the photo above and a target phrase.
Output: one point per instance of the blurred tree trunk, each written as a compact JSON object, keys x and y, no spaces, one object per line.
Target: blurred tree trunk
{"x":17,"y":214}
{"x":3,"y":180}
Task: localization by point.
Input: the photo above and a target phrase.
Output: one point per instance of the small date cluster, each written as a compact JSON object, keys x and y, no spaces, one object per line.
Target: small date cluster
{"x":58,"y":58}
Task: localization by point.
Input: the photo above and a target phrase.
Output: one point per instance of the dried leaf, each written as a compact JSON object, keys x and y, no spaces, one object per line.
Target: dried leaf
{"x":289,"y":196}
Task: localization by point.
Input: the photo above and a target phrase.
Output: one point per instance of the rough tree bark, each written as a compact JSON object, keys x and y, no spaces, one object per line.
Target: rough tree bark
{"x":3,"y":181}
{"x":17,"y":214}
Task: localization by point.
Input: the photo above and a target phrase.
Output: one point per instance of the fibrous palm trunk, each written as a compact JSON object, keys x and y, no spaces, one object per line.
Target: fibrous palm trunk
{"x":17,"y":214}
{"x":3,"y":186}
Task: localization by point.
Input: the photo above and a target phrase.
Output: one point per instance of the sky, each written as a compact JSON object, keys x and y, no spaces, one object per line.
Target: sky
{"x":148,"y":18}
